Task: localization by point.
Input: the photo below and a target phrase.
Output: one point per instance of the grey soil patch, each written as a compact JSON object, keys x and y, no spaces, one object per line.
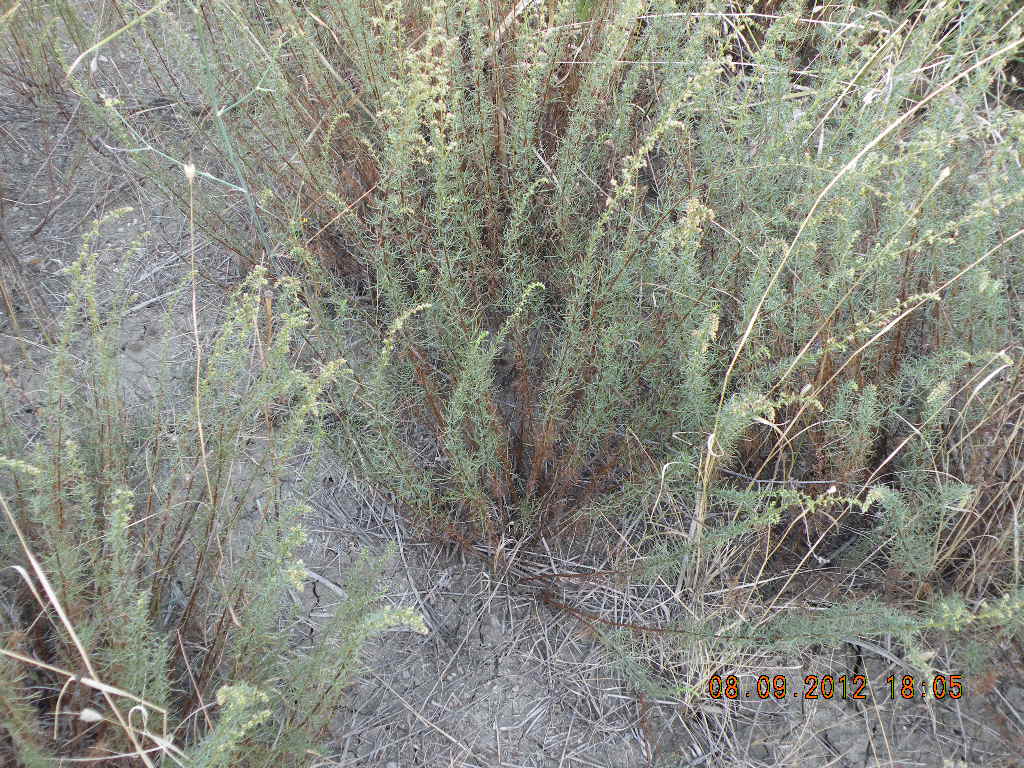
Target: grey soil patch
{"x":499,"y":680}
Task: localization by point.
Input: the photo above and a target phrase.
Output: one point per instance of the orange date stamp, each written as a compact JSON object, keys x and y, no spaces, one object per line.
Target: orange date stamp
{"x":827,"y":687}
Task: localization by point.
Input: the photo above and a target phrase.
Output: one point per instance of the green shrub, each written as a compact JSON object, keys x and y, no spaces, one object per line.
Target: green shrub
{"x":153,"y":609}
{"x":739,"y":284}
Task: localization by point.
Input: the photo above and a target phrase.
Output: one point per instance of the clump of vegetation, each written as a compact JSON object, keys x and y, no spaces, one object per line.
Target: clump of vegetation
{"x":156,"y":547}
{"x":715,"y":296}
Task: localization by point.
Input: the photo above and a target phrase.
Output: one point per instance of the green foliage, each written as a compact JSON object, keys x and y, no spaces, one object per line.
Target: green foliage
{"x":131,"y":510}
{"x":743,"y":289}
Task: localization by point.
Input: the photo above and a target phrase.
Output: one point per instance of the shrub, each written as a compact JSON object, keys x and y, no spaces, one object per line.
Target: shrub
{"x":152,"y":614}
{"x":740,"y":285}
